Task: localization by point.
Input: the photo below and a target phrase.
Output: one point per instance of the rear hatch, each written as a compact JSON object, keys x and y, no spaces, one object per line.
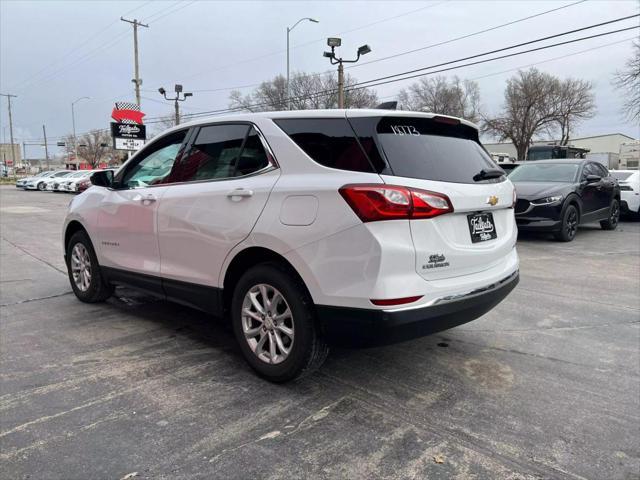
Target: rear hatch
{"x":443,"y":155}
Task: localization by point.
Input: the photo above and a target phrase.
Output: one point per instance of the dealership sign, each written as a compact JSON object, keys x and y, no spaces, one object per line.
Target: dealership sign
{"x":127,"y":131}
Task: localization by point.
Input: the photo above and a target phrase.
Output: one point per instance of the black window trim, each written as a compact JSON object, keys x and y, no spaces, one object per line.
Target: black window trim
{"x":192,"y":134}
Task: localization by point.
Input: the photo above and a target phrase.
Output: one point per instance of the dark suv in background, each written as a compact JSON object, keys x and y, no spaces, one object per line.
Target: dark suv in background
{"x":558,"y":195}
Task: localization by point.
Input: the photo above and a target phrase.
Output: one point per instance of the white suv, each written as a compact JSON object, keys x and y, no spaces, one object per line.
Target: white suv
{"x":304,"y":228}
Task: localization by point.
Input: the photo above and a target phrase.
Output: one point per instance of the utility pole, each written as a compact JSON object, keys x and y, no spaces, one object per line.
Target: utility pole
{"x":334,"y":42}
{"x":137,"y":81}
{"x":46,"y":147}
{"x":13,"y":148}
{"x":176,"y":99}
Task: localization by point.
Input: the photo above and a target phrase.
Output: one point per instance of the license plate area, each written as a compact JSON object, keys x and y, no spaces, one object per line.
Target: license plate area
{"x":482,"y":227}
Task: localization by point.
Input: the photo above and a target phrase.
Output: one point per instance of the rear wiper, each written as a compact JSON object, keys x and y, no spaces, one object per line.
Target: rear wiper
{"x":488,"y":173}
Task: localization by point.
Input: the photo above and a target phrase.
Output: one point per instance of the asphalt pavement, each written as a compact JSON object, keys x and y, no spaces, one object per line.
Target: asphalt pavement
{"x":547,"y":385}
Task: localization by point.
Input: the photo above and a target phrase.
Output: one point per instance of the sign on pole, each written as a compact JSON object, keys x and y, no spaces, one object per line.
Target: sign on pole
{"x":127,"y":131}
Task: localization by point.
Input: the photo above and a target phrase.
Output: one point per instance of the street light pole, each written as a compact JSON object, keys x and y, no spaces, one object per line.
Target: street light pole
{"x":336,"y":42}
{"x":73,"y":122}
{"x":288,"y":32}
{"x":176,"y":99}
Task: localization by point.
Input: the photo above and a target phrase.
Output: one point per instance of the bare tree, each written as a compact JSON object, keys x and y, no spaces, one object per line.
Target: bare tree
{"x":530,"y":106}
{"x":628,"y":80}
{"x":95,"y":147}
{"x":575,"y":102}
{"x":308,"y":91}
{"x":459,"y":98}
{"x":164,"y":122}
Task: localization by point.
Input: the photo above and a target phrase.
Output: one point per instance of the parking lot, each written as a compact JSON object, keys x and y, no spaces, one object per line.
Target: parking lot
{"x":547,"y":385}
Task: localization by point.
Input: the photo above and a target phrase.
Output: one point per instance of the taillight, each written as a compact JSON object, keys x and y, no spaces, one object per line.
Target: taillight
{"x":391,"y":202}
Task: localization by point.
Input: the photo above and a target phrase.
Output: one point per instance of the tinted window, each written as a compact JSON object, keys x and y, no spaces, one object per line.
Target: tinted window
{"x":213,"y":154}
{"x":426,"y":148}
{"x":253,"y":156}
{"x":591,"y":169}
{"x":545,"y":172}
{"x":603,"y":171}
{"x":329,"y":141}
{"x":156,"y":162}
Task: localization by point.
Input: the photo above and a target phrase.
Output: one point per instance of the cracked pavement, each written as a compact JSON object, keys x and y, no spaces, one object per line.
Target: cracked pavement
{"x":544,"y":386}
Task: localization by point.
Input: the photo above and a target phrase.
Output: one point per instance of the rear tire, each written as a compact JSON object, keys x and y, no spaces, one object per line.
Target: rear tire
{"x":569,"y":226}
{"x":278,"y":335}
{"x":611,"y":223}
{"x":85,"y":275}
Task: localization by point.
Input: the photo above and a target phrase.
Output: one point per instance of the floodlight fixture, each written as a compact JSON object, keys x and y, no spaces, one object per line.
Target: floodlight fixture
{"x":334,"y":42}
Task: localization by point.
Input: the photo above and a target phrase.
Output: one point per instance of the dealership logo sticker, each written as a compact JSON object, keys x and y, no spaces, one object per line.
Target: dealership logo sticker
{"x":437,"y":260}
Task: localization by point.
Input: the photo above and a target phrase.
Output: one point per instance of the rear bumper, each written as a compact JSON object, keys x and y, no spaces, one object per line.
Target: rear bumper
{"x":368,"y":327}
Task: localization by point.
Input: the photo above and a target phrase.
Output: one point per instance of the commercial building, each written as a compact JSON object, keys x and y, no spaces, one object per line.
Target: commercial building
{"x":609,"y":143}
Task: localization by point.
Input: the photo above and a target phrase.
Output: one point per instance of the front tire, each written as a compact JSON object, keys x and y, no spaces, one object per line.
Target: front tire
{"x":611,"y":223}
{"x":84,"y":271}
{"x":41,"y":186}
{"x":569,"y":226}
{"x":275,"y":325}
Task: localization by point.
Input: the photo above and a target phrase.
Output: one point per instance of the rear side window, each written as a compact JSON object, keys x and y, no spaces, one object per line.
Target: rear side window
{"x":328,"y":141}
{"x":441,"y":149}
{"x":253,"y":156}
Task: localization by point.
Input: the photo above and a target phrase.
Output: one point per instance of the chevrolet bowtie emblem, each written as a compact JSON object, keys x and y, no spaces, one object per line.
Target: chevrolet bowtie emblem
{"x":492,"y":200}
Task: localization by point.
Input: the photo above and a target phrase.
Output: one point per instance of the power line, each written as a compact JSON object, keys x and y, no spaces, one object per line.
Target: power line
{"x":445,"y":42}
{"x":279,"y":52}
{"x":386,"y":80}
{"x":497,"y":50}
{"x":358,"y":85}
{"x":393,"y":78}
{"x":469,"y":35}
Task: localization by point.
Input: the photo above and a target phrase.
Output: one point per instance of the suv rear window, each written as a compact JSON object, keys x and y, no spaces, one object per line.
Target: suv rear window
{"x":328,"y":141}
{"x":426,"y":148}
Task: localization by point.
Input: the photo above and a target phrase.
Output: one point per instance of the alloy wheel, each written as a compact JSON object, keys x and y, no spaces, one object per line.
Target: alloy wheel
{"x":572,"y":223}
{"x":81,"y":267}
{"x":267,"y":323}
{"x":615,"y":214}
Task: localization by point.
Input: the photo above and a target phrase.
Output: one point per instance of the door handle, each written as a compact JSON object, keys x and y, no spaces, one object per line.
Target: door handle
{"x":240,"y":192}
{"x":147,"y":199}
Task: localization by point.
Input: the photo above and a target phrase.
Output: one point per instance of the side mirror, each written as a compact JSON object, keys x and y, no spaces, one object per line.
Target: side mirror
{"x":593,"y":178}
{"x":102,"y":179}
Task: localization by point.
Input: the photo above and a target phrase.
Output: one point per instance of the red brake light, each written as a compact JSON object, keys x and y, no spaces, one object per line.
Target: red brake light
{"x":391,"y":202}
{"x":395,"y":301}
{"x":447,"y":120}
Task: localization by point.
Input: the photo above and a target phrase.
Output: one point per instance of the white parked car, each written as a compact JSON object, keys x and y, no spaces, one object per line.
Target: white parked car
{"x":629,"y":181}
{"x":40,"y":183}
{"x":70,"y":183}
{"x":305,"y":228}
{"x":53,"y":184}
{"x":23,"y":181}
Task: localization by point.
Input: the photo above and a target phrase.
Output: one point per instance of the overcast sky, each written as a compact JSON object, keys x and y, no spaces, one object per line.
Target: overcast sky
{"x":53,"y":52}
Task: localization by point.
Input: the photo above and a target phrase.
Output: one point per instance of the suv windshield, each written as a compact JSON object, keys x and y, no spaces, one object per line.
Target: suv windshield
{"x":438,"y":148}
{"x":554,"y":172}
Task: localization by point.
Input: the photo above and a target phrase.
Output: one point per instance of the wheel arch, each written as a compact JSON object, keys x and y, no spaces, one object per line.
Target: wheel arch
{"x":72,"y":227}
{"x":574,"y":199}
{"x":247,"y":258}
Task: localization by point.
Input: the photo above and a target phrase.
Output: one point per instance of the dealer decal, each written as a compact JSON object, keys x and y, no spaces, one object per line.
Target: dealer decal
{"x":436,"y":261}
